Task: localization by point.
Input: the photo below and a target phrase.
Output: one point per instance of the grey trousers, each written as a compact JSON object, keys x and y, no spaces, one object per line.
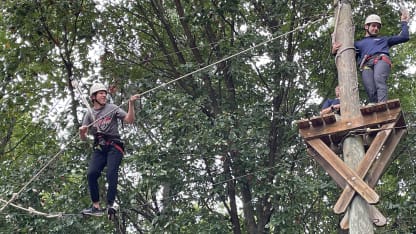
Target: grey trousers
{"x":375,"y":81}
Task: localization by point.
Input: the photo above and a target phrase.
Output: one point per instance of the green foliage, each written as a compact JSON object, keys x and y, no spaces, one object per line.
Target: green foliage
{"x":214,"y":148}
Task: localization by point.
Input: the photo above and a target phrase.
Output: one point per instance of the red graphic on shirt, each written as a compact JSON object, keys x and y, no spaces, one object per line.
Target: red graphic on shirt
{"x":103,"y":123}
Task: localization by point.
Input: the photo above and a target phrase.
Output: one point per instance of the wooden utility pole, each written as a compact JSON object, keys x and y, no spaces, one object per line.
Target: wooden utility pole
{"x":353,"y":148}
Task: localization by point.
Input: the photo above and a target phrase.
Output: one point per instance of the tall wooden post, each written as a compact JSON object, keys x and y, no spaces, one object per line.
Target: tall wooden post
{"x":353,"y":149}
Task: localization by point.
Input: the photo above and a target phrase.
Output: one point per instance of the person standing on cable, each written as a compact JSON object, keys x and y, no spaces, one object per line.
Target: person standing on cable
{"x":373,"y":55}
{"x":108,"y":148}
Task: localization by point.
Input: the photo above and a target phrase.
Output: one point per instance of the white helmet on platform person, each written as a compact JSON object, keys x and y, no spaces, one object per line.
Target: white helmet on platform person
{"x":97,"y":87}
{"x":372,"y":25}
{"x":373,"y":19}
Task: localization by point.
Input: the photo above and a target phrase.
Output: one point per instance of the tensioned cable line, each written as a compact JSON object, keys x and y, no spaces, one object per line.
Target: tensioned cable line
{"x":75,"y":83}
{"x":211,"y":65}
{"x":15,"y":195}
{"x":32,"y":211}
{"x":234,"y":55}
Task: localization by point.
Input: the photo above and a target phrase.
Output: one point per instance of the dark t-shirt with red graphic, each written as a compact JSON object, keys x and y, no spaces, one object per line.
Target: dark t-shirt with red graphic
{"x":106,"y":120}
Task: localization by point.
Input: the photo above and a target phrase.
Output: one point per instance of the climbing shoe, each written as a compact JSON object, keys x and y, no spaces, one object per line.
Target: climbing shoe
{"x":93,"y":211}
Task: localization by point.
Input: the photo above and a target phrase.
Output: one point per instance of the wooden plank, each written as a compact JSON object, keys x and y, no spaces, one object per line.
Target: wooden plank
{"x":343,"y":170}
{"x":381,"y":107}
{"x":376,"y":172}
{"x":329,"y":118}
{"x":304,"y":123}
{"x":392,"y":104}
{"x":378,"y":218}
{"x":384,"y":159}
{"x":344,"y":126}
{"x":367,"y":110}
{"x":330,"y":170}
{"x":365,"y":164}
{"x":317,"y":121}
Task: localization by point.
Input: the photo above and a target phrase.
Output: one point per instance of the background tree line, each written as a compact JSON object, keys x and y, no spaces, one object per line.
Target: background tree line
{"x":214,"y":152}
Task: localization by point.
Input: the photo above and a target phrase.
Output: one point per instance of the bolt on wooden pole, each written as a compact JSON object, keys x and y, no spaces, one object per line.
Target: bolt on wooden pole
{"x":353,"y":148}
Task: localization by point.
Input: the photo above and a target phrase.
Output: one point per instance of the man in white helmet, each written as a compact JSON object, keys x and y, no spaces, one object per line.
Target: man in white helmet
{"x":373,"y":55}
{"x":108,"y":147}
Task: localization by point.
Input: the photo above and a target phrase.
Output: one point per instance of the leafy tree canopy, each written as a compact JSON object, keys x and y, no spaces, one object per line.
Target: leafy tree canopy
{"x":214,"y":148}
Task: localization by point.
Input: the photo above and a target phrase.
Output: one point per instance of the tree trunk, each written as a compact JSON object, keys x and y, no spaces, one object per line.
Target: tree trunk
{"x":353,"y":149}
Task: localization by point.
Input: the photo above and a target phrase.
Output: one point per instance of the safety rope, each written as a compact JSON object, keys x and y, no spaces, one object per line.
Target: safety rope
{"x":336,"y":21}
{"x":30,"y":210}
{"x":75,"y":83}
{"x":16,"y":195}
{"x":234,"y":55}
{"x":342,"y":51}
{"x":208,"y":66}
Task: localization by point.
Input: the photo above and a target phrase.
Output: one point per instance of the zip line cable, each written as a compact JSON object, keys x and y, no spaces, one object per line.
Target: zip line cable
{"x":75,"y":83}
{"x":32,"y":211}
{"x":15,"y":195}
{"x":232,"y":56}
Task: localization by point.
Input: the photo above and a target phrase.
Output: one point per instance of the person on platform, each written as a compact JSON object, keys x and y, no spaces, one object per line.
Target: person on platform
{"x":373,"y":55}
{"x":332,"y":105}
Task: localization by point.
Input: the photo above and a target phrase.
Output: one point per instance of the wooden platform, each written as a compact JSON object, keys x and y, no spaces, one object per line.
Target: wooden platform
{"x":385,"y":122}
{"x":328,"y":128}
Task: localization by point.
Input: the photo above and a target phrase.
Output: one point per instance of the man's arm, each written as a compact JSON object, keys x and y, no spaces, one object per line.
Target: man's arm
{"x":404,"y":34}
{"x":130,"y":113}
{"x":332,"y":108}
{"x":335,"y":47}
{"x":83,"y":132}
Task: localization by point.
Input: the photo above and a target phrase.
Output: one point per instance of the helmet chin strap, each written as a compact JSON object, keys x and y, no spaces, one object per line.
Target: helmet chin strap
{"x":370,"y":34}
{"x":100,"y":103}
{"x":95,"y":100}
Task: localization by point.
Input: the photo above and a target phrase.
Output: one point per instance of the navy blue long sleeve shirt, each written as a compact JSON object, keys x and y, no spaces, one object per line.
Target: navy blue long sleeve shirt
{"x":330,"y":102}
{"x":376,"y":45}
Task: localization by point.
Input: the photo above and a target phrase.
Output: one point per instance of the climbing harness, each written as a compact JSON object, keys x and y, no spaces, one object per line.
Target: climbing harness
{"x":102,"y":142}
{"x":368,"y":61}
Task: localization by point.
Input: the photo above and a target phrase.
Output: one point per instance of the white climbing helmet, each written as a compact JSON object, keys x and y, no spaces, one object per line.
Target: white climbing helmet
{"x":373,"y":19}
{"x":97,"y":87}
